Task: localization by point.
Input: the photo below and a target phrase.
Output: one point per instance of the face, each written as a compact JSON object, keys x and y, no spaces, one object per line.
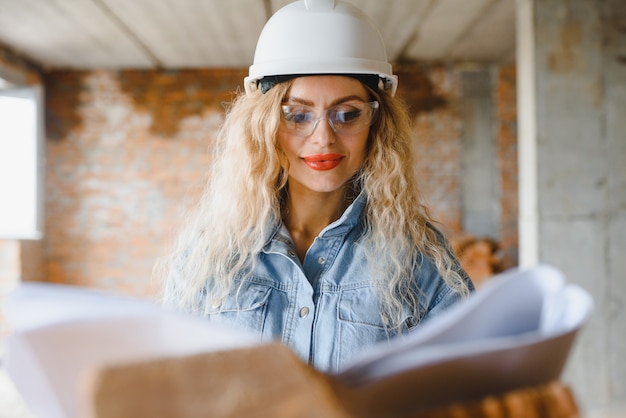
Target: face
{"x":324,"y":160}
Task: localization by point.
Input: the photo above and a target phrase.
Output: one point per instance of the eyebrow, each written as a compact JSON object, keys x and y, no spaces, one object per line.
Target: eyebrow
{"x":337,"y":101}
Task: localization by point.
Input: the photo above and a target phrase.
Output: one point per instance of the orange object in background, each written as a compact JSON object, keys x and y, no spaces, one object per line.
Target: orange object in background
{"x":480,"y":257}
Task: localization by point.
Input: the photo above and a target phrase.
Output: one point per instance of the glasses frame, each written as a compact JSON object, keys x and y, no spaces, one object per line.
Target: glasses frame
{"x":372,"y":105}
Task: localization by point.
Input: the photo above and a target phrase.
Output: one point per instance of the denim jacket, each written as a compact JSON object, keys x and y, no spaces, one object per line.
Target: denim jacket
{"x":325,"y":309}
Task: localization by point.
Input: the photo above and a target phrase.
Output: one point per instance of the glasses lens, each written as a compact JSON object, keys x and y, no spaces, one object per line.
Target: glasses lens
{"x":299,"y":120}
{"x":346,"y":118}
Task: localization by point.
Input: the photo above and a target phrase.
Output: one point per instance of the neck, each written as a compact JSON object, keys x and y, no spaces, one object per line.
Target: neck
{"x":307,"y":213}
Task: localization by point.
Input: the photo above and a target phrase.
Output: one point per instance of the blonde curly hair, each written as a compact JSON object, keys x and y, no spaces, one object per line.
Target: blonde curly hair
{"x":239,"y":209}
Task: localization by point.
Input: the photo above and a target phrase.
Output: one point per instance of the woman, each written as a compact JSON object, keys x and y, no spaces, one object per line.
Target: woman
{"x":311,"y":229}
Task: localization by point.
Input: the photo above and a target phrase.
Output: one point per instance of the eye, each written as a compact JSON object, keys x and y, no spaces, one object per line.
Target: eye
{"x":346,"y":114}
{"x":297,"y":114}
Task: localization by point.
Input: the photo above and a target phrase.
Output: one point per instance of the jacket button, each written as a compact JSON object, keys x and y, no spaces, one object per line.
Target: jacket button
{"x":321,"y":260}
{"x":291,"y":253}
{"x":304,"y":312}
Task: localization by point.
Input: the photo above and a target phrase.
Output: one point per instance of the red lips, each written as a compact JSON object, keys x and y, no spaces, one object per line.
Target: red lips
{"x":323,"y":162}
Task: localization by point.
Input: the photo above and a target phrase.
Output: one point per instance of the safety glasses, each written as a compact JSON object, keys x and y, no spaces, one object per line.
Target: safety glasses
{"x":345,"y":119}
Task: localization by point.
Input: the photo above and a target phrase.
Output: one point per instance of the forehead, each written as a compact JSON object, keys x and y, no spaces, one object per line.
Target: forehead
{"x":326,"y":89}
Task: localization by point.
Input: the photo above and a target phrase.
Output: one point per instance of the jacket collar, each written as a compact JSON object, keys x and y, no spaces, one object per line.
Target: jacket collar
{"x":279,"y":234}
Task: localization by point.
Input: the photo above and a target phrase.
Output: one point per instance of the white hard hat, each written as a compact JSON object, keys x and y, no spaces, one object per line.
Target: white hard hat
{"x":320,"y":37}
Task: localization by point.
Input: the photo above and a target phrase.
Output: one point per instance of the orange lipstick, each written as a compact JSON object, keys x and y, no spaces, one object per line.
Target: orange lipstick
{"x":323,"y":162}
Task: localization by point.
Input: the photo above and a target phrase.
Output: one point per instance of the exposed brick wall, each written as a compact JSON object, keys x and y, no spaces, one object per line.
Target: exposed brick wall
{"x":127,"y":153}
{"x":433,"y":94}
{"x":506,"y":119}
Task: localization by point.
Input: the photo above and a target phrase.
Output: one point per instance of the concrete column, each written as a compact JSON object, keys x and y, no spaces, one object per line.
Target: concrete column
{"x":527,"y":134}
{"x":480,"y":183}
{"x":572,"y":102}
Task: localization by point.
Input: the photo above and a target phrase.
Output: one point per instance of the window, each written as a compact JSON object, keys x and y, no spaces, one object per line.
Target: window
{"x":20,"y":175}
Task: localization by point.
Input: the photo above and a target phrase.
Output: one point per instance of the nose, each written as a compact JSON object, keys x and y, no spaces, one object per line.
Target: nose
{"x":323,"y":133}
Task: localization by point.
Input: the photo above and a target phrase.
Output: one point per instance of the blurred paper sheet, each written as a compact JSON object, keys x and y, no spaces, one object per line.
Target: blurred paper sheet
{"x":517,"y":331}
{"x":64,"y":333}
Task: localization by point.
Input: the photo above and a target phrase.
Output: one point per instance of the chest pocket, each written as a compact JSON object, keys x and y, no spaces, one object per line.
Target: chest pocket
{"x":360,"y":306}
{"x":361,"y":324}
{"x":244,"y":308}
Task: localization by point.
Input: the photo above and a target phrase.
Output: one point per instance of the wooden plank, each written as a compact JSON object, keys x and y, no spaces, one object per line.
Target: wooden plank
{"x":398,"y":21}
{"x":270,"y":382}
{"x":258,"y":382}
{"x":59,"y":33}
{"x":213,"y":33}
{"x":492,"y":38}
{"x":188,"y":33}
{"x":446,"y":24}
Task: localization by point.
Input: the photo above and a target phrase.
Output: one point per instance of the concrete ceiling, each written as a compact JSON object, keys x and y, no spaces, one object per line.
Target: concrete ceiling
{"x":170,"y":34}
